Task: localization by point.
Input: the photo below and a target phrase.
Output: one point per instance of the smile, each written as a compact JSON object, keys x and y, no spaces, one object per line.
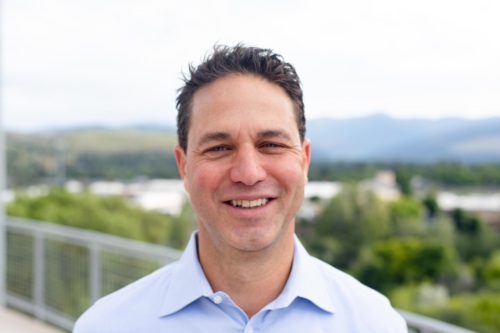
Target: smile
{"x":249,"y":203}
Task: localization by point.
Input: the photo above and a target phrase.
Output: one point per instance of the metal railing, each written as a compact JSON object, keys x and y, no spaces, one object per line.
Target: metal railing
{"x":421,"y":324}
{"x":56,"y":272}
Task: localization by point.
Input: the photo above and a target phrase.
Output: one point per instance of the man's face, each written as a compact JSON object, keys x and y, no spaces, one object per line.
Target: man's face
{"x":245,"y":166}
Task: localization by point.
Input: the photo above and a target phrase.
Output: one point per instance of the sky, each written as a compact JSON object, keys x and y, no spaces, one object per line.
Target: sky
{"x":120,"y":62}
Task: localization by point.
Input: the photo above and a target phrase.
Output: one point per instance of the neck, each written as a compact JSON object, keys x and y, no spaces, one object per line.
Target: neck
{"x":251,"y":279}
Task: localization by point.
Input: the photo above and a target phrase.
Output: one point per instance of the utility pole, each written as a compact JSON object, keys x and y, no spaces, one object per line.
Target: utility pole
{"x":60,"y":176}
{"x":3,"y":228}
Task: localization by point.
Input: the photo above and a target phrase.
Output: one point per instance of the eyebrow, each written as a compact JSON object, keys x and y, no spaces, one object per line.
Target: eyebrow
{"x":213,"y":136}
{"x":271,"y":134}
{"x":221,"y":136}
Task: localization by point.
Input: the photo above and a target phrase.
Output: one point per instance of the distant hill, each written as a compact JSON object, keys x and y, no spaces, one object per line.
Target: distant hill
{"x":377,"y":138}
{"x":380,"y":138}
{"x":99,"y":139}
{"x":357,"y":146}
{"x":90,"y":153}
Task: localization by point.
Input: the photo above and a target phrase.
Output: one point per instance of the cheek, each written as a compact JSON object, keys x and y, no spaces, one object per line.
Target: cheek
{"x":292,"y":178}
{"x":289,"y":172}
{"x":204,"y":183}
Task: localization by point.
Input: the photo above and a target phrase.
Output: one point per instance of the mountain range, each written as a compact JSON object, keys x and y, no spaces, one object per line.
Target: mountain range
{"x":380,"y":138}
{"x":376,"y":138}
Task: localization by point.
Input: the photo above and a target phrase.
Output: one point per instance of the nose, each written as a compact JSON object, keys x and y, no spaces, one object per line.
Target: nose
{"x":247,"y":167}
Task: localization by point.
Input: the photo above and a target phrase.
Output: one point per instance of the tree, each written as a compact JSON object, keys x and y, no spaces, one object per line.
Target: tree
{"x":351,"y":221}
{"x":397,"y":261}
{"x":406,"y":216}
{"x":474,"y":238}
{"x":431,"y":204}
{"x":113,"y":215}
{"x":403,"y":178}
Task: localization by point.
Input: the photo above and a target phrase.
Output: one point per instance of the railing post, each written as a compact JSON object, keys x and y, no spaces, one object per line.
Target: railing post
{"x":95,"y":272}
{"x":39,"y":274}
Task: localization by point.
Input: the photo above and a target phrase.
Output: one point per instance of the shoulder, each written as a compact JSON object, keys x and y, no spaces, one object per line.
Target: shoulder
{"x":140,"y":298}
{"x":362,"y":303}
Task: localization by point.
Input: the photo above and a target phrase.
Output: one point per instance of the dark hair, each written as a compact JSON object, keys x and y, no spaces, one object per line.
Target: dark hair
{"x":240,"y":59}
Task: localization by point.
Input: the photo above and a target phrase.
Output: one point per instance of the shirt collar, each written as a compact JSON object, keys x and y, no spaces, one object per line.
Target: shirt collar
{"x":305,"y":281}
{"x":187,"y":282}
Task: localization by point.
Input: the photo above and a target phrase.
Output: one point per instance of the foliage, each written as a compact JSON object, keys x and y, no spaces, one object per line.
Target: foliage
{"x":28,"y":161}
{"x":123,"y":165}
{"x":426,"y":263}
{"x":477,"y":312}
{"x":454,"y":174}
{"x":396,"y":261}
{"x":403,"y":179}
{"x":431,"y":204}
{"x":474,"y":238}
{"x":345,"y":172}
{"x":113,"y":215}
{"x":491,"y":272}
{"x":405,"y":216}
{"x":441,"y":174}
{"x":405,"y":208}
{"x":353,"y":219}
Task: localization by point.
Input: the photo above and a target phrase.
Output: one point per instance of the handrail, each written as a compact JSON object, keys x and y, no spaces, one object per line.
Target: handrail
{"x":46,"y":260}
{"x":82,"y":236}
{"x":424,"y":324}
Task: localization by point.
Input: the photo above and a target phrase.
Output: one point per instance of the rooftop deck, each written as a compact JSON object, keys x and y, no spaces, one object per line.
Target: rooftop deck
{"x":15,"y":322}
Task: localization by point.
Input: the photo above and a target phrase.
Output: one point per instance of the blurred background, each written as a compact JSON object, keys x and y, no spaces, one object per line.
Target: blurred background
{"x":403,"y":108}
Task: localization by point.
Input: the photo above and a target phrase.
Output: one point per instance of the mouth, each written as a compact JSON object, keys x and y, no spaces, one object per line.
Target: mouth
{"x":248,"y":204}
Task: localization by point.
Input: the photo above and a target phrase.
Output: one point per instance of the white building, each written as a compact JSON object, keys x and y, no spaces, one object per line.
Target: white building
{"x":486,"y":206}
{"x":383,"y":185}
{"x":164,"y":195}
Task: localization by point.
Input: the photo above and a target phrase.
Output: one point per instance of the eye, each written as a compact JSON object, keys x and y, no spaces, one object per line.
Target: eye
{"x":271,"y":145}
{"x":218,"y":148}
{"x":272,"y":148}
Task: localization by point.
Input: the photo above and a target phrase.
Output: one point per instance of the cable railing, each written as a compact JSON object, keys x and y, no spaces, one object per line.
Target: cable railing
{"x":56,"y":272}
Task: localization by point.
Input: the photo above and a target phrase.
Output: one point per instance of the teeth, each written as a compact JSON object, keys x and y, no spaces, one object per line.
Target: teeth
{"x":249,"y":203}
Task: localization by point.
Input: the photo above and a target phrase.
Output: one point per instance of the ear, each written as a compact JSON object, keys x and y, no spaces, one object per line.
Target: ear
{"x":180,"y":158}
{"x":306,"y":150}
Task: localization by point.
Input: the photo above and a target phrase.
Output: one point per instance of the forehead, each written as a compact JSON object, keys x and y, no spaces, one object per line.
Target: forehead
{"x":238,"y":87}
{"x":240,"y":92}
{"x":241,"y":100}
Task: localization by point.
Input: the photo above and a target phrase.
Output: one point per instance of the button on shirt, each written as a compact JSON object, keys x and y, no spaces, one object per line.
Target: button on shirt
{"x":178,"y":298}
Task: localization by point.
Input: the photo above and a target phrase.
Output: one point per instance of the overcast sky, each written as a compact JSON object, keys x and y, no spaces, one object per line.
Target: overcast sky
{"x":118,"y":62}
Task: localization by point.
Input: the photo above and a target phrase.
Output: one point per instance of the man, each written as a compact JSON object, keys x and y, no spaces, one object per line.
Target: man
{"x":244,"y":159}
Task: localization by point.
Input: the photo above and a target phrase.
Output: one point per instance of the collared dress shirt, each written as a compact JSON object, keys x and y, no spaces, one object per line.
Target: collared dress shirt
{"x":178,"y":298}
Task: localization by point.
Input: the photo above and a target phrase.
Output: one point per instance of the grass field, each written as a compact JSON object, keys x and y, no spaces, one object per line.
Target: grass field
{"x":119,"y":141}
{"x":97,"y":141}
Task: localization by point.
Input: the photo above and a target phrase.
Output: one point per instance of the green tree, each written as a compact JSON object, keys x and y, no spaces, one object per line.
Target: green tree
{"x":431,"y":205}
{"x":491,"y":271}
{"x":112,"y":215}
{"x":406,"y":216}
{"x":396,"y":262}
{"x":474,"y":238}
{"x":354,"y":219}
{"x":403,"y":179}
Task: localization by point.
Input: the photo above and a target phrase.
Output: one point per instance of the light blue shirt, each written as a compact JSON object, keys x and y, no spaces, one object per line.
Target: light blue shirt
{"x":178,"y":298}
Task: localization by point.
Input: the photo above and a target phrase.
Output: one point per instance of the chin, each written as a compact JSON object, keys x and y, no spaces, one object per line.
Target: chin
{"x":255,"y":242}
